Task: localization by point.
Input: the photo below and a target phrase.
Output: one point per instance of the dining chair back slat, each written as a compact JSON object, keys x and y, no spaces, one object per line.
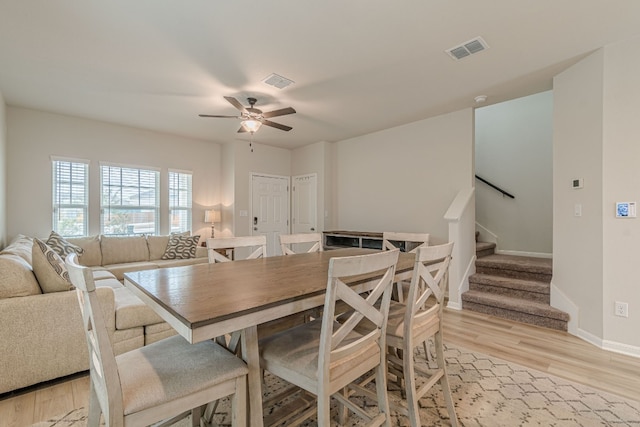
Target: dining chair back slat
{"x":215,"y":244}
{"x":288,"y":240}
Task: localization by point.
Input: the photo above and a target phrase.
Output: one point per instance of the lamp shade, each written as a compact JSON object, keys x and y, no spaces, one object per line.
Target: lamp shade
{"x":211,"y":216}
{"x":251,"y":125}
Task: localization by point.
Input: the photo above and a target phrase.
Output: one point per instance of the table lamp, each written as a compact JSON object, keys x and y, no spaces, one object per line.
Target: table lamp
{"x":211,"y":216}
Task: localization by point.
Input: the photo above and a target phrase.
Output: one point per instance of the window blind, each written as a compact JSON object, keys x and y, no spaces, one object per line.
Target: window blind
{"x":180,"y":201}
{"x":129,"y":200}
{"x":70,"y":197}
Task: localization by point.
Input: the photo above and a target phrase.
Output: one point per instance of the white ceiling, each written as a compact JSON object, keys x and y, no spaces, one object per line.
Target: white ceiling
{"x":359,"y":66}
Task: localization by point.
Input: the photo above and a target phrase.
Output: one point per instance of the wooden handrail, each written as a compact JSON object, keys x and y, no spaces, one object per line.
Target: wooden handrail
{"x":504,"y":193}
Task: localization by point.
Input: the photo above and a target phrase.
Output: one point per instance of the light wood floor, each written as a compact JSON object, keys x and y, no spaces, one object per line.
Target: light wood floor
{"x":554,"y":352}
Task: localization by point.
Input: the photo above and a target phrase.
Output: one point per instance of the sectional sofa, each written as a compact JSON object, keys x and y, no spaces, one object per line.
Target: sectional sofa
{"x":41,"y":332}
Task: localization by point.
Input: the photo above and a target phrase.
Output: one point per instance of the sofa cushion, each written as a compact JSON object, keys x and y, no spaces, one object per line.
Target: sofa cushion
{"x":131,"y":312}
{"x":20,"y":246}
{"x":111,"y":282}
{"x":92,"y":255}
{"x":102,"y":274}
{"x":16,"y":278}
{"x":157,"y":332}
{"x":61,"y":246}
{"x":49,"y":268}
{"x":157,"y":246}
{"x":118,"y":250}
{"x":118,"y":270}
{"x":180,"y":262}
{"x":181,"y":247}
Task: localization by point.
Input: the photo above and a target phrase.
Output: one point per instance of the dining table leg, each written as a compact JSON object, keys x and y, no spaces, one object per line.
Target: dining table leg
{"x":251,"y":356}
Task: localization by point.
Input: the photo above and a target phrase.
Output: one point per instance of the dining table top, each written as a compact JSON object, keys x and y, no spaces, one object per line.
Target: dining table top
{"x":234,"y":294}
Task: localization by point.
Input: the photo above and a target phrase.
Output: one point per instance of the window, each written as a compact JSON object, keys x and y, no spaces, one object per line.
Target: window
{"x":129,"y":200}
{"x":179,"y":201}
{"x":70,"y":197}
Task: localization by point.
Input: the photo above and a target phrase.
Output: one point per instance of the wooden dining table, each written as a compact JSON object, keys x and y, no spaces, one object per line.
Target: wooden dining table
{"x":206,"y":301}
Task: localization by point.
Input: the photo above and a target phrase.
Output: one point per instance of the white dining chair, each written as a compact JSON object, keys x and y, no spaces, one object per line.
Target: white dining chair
{"x":412,"y":241}
{"x":413,"y":322}
{"x":324,"y":356}
{"x":313,"y":241}
{"x":256,"y":243}
{"x":161,"y":381}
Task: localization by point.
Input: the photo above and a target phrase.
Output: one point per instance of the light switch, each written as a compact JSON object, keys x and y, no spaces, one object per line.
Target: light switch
{"x":244,"y":213}
{"x":577,"y":210}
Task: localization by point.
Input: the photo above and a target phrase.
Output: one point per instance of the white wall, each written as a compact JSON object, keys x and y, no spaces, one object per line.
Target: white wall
{"x":621,"y":171}
{"x":405,"y":178}
{"x":264,"y":159}
{"x":3,"y":173}
{"x":513,"y":150}
{"x":577,"y":153}
{"x":596,"y":138}
{"x":34,"y":136}
{"x":317,"y":158}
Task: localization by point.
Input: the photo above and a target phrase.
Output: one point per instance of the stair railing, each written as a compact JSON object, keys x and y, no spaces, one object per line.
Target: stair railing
{"x":504,"y":193}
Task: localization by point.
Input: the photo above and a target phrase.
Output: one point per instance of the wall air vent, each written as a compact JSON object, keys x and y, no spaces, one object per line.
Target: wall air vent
{"x":468,"y":48}
{"x":277,"y":81}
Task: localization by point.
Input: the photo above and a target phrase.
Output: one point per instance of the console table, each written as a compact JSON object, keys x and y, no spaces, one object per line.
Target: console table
{"x":359,"y":239}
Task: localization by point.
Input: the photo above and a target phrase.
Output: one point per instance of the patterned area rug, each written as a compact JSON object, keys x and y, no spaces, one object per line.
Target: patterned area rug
{"x":487,"y":392}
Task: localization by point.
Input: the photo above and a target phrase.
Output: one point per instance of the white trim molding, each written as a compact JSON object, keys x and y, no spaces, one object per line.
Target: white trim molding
{"x":560,"y":301}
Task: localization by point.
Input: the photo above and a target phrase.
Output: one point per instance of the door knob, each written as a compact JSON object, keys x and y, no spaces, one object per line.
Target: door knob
{"x":313,"y":229}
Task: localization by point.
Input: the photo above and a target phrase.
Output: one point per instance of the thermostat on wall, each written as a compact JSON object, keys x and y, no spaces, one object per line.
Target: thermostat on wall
{"x":626,"y":210}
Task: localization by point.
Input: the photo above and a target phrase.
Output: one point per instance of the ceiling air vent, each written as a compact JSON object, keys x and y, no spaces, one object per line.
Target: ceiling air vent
{"x":277,"y":81}
{"x":467,"y":48}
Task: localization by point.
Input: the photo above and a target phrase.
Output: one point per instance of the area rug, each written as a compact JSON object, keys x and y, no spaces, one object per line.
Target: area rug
{"x":487,"y":391}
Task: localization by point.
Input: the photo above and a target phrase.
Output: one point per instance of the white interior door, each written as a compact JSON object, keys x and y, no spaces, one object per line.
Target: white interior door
{"x":305,"y":203}
{"x":270,"y":209}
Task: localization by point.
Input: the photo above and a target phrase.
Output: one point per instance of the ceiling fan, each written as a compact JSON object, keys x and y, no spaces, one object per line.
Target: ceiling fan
{"x":252,"y":118}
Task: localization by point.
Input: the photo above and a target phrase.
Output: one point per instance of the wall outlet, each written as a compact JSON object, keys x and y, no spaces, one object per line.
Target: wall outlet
{"x":621,"y":309}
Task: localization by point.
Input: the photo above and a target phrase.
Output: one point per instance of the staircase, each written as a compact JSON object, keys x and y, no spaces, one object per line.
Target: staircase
{"x":513,"y":287}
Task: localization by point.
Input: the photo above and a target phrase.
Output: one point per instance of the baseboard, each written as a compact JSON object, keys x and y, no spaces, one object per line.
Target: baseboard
{"x":589,"y":337}
{"x":454,"y":305}
{"x":560,"y":301}
{"x":523,"y":253}
{"x":487,"y":236}
{"x":616,"y":347}
{"x":463,"y":286}
{"x":629,"y":350}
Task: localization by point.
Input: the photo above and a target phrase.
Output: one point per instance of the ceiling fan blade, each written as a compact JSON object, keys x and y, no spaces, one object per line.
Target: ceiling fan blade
{"x":219,"y":117}
{"x":235,"y":103}
{"x":280,"y":112}
{"x":276,"y":125}
{"x":242,"y":129}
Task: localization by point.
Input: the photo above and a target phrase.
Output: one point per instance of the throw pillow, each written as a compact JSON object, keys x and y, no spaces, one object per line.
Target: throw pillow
{"x":49,"y":268}
{"x":61,"y":246}
{"x":181,"y":247}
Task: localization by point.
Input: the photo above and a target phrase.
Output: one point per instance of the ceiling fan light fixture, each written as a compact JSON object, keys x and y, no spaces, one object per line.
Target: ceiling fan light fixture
{"x":251,"y":125}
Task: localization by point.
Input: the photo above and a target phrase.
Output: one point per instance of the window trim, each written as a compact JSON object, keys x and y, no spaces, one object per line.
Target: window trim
{"x":56,"y":205}
{"x":155,"y":207}
{"x":189,"y":209}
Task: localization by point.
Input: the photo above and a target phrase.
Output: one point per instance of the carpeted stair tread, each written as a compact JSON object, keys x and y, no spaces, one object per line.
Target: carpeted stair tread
{"x":514,"y":304}
{"x":517,"y":263}
{"x":485,"y":249}
{"x":510,"y":283}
